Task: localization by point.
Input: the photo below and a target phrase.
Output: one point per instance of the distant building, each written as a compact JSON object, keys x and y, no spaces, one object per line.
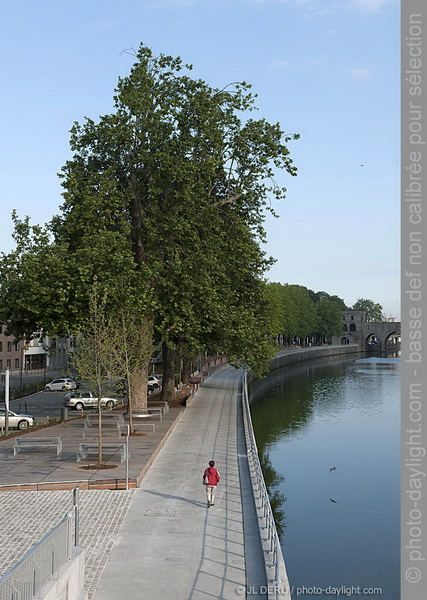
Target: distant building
{"x":351,"y":327}
{"x":367,"y":335}
{"x":40,"y":352}
{"x":11,"y":351}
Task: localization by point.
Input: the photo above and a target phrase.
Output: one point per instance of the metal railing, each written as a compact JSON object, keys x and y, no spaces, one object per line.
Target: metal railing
{"x":275,"y":570}
{"x":39,"y":565}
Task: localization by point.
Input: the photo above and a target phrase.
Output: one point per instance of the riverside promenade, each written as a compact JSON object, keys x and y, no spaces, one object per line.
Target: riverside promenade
{"x":170,"y":545}
{"x":159,"y":540}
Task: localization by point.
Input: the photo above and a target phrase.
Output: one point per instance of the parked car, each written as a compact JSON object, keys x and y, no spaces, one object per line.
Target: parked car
{"x":153,"y":384}
{"x":86,"y":399}
{"x":154,"y":381}
{"x":16,"y":421}
{"x":61,"y":384}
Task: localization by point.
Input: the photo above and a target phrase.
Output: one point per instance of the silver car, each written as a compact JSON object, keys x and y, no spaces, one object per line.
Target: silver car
{"x":86,"y":399}
{"x":16,"y":421}
{"x":61,"y":384}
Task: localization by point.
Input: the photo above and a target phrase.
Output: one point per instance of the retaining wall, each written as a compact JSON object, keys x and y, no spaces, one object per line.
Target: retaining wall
{"x":298,"y":355}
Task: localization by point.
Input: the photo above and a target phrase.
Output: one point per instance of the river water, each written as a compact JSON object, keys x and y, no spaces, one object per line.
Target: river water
{"x":329,"y":439}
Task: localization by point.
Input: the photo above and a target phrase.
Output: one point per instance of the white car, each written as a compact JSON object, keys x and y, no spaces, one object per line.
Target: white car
{"x":86,"y":399}
{"x":154,"y":381}
{"x":61,"y":384}
{"x":16,"y":421}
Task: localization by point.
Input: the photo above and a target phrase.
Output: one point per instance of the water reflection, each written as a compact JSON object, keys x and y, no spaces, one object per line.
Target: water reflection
{"x":328,"y":437}
{"x":277,"y":499}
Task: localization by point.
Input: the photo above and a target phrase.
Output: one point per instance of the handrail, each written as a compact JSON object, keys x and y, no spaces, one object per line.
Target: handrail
{"x":41,"y":564}
{"x":275,"y":570}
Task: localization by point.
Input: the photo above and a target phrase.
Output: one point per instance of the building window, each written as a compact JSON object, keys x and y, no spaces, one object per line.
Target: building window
{"x":9,"y":346}
{"x":1,"y":346}
{"x":16,"y":363}
{"x":1,"y":365}
{"x":352,"y":327}
{"x":16,"y":346}
{"x":345,"y":327}
{"x":8,"y":363}
{"x":352,"y":317}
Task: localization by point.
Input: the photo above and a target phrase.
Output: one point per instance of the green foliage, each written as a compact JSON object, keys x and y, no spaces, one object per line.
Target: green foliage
{"x":167,"y":193}
{"x":374,"y":312}
{"x":299,"y":316}
{"x":329,"y":317}
{"x":302,"y":313}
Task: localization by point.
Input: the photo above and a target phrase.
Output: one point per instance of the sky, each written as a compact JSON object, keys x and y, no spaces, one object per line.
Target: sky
{"x":326,"y":69}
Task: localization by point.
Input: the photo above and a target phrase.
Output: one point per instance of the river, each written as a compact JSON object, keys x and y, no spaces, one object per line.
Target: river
{"x":329,"y":439}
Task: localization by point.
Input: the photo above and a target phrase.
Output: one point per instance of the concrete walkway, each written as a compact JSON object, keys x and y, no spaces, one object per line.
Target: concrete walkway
{"x":170,"y":544}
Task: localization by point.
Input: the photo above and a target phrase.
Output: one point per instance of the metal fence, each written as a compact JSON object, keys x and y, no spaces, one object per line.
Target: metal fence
{"x":277,"y":579}
{"x":40,"y":565}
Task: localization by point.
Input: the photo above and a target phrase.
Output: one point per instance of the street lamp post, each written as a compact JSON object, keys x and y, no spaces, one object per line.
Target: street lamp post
{"x":21,"y":361}
{"x":6,"y":402}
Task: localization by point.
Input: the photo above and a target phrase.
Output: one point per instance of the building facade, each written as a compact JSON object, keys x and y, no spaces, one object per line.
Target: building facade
{"x":41,"y":352}
{"x":367,"y":335}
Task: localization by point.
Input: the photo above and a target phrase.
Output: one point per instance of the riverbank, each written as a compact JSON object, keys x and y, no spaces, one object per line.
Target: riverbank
{"x":291,"y":356}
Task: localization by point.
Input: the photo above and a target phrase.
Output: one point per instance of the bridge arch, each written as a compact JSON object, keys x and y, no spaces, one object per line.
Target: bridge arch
{"x":368,"y":335}
{"x":373,"y":340}
{"x":393,"y":338}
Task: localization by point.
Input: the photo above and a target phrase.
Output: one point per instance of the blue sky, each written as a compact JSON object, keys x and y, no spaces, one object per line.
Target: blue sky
{"x":326,"y":69}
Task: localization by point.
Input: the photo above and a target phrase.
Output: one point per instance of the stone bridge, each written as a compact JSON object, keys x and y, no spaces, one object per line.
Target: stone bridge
{"x":381,"y":336}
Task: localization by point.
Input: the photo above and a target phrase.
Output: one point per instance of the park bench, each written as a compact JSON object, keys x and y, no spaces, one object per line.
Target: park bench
{"x":37,"y":442}
{"x":159,"y":403}
{"x":92,"y":449}
{"x":136,"y":426}
{"x":91,"y":431}
{"x":145,"y":413}
{"x":92,"y":420}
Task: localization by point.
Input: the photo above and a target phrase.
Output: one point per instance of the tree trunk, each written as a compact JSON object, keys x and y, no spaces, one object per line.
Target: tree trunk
{"x":100,"y":457}
{"x":168,"y":384}
{"x":186,"y":372}
{"x":139,"y":375}
{"x":138,"y":397}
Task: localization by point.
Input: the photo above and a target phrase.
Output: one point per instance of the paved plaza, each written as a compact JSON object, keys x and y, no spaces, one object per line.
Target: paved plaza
{"x":25,"y":517}
{"x":159,"y":541}
{"x":171,"y":545}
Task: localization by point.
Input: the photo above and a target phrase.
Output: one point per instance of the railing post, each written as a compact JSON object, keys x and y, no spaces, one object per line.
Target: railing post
{"x":76,"y":515}
{"x":271,"y":544}
{"x":127,"y":456}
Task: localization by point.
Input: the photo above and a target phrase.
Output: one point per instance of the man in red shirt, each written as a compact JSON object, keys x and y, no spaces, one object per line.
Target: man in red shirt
{"x":211,"y":479}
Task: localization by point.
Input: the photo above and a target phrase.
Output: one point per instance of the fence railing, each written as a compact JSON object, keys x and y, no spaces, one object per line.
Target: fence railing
{"x":39,"y":565}
{"x":277,"y":579}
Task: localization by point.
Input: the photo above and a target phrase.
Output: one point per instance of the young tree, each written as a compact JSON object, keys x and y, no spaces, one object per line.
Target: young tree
{"x":128,"y":347}
{"x":94,"y":357}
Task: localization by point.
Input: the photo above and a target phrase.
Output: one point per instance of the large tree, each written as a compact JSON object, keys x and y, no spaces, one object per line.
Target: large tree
{"x":374,"y":311}
{"x":167,"y":193}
